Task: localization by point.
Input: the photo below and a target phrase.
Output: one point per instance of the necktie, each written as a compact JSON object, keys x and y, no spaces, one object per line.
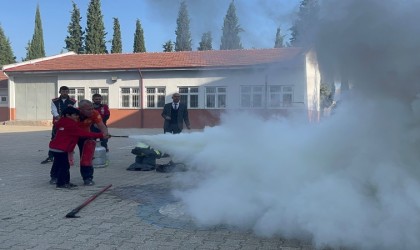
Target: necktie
{"x":175,"y":106}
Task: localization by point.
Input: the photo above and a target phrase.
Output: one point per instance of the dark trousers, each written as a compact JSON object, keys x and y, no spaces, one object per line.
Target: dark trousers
{"x":173,"y":129}
{"x":85,"y":171}
{"x":53,"y":132}
{"x":61,"y":168}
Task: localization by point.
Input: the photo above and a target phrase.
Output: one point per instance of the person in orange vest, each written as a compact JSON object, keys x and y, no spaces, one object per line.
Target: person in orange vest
{"x":64,"y":142}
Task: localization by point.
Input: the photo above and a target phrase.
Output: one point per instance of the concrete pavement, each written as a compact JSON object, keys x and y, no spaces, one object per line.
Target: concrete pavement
{"x":127,"y":216}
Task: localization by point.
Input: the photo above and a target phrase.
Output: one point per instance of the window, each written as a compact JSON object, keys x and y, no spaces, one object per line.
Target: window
{"x":280,"y":96}
{"x":277,"y":96}
{"x":252,"y":96}
{"x":104,"y":92}
{"x":215,"y":97}
{"x":77,"y":93}
{"x":155,"y":97}
{"x":287,"y":96}
{"x":3,"y":99}
{"x":189,"y":96}
{"x":130,"y":97}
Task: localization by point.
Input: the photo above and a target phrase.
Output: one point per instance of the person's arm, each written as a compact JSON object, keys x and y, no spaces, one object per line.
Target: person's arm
{"x":165,"y":112}
{"x":186,"y":118}
{"x":101,"y":126}
{"x":107,"y":114}
{"x":54,"y":111}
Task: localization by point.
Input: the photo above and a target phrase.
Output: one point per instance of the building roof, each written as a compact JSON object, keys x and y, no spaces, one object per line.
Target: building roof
{"x":3,"y":80}
{"x":157,"y":60}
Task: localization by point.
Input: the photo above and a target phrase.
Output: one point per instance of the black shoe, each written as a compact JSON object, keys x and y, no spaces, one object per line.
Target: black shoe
{"x":66,"y":186}
{"x":48,"y":160}
{"x":88,"y":182}
{"x":53,"y":181}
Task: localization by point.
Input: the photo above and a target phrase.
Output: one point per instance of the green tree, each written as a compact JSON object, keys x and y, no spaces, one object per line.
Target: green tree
{"x":206,"y":42}
{"x":168,"y":46}
{"x":35,"y":47}
{"x":279,"y":40}
{"x":74,"y":39}
{"x":6,"y":52}
{"x":304,"y":27}
{"x":139,"y":45}
{"x":116,"y":46}
{"x":183,"y":36}
{"x":95,"y":30}
{"x":231,"y":29}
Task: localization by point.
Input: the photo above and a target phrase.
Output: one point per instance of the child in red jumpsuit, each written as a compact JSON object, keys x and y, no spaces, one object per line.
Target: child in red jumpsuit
{"x":68,"y":133}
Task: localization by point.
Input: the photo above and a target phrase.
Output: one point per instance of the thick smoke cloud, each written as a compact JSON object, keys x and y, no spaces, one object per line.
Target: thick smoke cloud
{"x":353,"y":179}
{"x":258,"y":18}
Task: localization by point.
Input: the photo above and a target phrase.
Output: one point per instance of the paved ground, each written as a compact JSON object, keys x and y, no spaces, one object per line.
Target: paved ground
{"x":124,"y":217}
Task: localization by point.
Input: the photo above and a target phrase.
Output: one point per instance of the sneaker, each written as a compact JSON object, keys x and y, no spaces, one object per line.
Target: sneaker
{"x":88,"y":182}
{"x":53,"y":181}
{"x":48,"y":160}
{"x":66,"y":186}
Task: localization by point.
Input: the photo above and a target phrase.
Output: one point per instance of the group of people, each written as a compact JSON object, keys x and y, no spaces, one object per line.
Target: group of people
{"x":74,"y":125}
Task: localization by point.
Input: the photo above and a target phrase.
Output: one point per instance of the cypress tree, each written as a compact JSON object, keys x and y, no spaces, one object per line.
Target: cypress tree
{"x":230,"y":38}
{"x":116,"y":46}
{"x":6,"y":52}
{"x":305,"y":24}
{"x":74,"y":39}
{"x":95,"y":29}
{"x":168,"y":46}
{"x":206,"y":42}
{"x":279,"y":40}
{"x":35,"y":48}
{"x":139,"y":45}
{"x":182,"y":32}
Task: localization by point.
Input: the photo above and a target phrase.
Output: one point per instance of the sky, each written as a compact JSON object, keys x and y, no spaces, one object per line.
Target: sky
{"x":351,"y":180}
{"x":259,"y":19}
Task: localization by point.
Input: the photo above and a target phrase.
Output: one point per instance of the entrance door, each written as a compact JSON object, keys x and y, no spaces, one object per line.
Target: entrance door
{"x":33,"y":97}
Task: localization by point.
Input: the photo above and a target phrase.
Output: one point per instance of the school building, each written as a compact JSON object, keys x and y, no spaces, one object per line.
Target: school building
{"x":136,"y":86}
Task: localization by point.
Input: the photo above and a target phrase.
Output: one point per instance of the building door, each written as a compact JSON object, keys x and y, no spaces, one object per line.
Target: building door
{"x":33,"y":97}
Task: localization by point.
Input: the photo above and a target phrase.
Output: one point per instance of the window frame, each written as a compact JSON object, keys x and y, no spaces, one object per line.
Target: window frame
{"x":105,"y":95}
{"x":76,"y":95}
{"x":159,"y":98}
{"x":216,"y":96}
{"x":188,"y":95}
{"x":134,"y":92}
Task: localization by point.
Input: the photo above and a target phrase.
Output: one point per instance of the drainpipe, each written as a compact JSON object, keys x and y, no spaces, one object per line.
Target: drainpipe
{"x":141,"y":100}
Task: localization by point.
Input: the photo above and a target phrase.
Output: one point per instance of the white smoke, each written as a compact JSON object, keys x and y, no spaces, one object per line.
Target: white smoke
{"x":351,"y":180}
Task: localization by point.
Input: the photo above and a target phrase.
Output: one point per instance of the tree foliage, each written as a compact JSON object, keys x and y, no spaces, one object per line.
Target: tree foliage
{"x":139,"y":44}
{"x":231,"y":29}
{"x":6,"y":52}
{"x":35,"y":47}
{"x":116,"y":46}
{"x":168,"y":46}
{"x":206,"y":42}
{"x":304,"y":27}
{"x":183,"y":36}
{"x":279,"y":43}
{"x":95,"y":30}
{"x":74,"y":39}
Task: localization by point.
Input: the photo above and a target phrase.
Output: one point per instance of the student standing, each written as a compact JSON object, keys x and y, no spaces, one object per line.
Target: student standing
{"x":64,"y":142}
{"x":57,"y":106}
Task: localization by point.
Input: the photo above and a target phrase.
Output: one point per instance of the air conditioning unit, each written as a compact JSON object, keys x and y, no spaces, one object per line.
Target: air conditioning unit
{"x":114,"y":78}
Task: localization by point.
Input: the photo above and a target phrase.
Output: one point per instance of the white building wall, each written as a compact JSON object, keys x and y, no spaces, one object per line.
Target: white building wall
{"x":101,"y":80}
{"x":313,"y":79}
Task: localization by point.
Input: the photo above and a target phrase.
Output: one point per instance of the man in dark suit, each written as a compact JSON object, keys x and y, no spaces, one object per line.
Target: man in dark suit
{"x":175,"y":114}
